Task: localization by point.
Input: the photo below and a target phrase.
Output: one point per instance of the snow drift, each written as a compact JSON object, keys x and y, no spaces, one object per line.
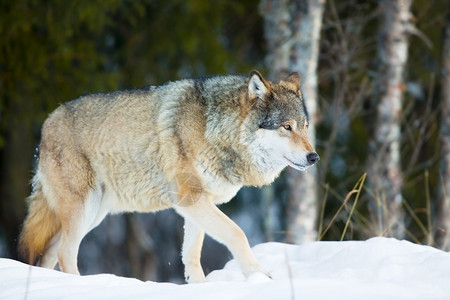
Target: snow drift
{"x":379,"y":268}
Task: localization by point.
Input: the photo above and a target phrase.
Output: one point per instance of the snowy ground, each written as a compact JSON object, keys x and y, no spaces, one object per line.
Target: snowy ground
{"x":379,"y":268}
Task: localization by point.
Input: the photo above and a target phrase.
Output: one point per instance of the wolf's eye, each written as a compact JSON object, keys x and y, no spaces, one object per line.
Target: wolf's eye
{"x":287,"y":127}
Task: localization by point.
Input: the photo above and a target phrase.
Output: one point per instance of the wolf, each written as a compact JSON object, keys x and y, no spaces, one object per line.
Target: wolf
{"x":188,"y":145}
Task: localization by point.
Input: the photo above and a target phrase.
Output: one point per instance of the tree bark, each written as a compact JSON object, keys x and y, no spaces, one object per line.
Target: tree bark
{"x":384,"y":170}
{"x":292,"y":31}
{"x":278,"y":35}
{"x":442,"y":235}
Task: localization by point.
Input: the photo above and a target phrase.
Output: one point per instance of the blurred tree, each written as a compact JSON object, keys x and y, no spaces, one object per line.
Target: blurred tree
{"x":384,"y":169}
{"x":292,"y":32}
{"x":302,"y":198}
{"x":442,"y":235}
{"x":277,"y":34}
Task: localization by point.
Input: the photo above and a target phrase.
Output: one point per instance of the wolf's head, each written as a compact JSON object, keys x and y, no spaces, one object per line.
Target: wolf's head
{"x":282,"y":120}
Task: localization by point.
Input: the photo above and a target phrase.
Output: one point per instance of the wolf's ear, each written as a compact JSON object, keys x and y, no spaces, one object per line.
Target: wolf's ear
{"x":257,"y":85}
{"x":294,"y":81}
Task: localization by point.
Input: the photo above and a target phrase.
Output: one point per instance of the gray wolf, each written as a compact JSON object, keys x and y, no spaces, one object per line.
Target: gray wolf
{"x":187,"y":145}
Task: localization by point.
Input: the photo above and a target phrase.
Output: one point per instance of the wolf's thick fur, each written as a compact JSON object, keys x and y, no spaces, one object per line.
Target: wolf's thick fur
{"x":187,"y":145}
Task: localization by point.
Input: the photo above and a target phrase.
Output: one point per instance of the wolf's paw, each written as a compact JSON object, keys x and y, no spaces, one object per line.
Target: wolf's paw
{"x":195,"y":276}
{"x":259,"y":277}
{"x":255,"y":270}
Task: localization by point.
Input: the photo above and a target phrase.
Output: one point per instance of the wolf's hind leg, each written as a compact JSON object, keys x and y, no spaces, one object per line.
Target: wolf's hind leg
{"x":73,"y":230}
{"x":68,"y":251}
{"x":192,"y":248}
{"x":82,"y":218}
{"x":50,"y":257}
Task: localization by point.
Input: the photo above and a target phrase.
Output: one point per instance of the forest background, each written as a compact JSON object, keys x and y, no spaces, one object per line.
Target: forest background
{"x":54,"y":51}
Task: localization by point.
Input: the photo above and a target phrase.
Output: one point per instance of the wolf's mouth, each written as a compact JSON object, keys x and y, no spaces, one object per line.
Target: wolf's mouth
{"x":297,"y":166}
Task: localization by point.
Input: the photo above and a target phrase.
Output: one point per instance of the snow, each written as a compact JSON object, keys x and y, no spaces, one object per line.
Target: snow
{"x":379,"y":268}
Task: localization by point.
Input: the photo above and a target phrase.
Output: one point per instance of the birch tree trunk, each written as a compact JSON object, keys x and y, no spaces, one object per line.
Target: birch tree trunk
{"x":442,"y":236}
{"x":278,"y":35}
{"x":385,"y":174}
{"x":292,"y":31}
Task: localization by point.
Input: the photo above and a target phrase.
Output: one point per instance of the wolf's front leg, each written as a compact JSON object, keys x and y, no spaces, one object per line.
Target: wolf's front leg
{"x":192,"y":248}
{"x":205,"y":215}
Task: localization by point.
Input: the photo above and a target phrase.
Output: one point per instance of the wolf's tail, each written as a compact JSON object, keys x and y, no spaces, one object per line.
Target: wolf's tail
{"x":40,"y":225}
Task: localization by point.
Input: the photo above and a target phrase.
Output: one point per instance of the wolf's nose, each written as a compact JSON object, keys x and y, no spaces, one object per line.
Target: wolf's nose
{"x":312,"y":158}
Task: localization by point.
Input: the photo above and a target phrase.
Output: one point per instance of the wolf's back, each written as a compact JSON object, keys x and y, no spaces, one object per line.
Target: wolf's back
{"x":40,"y":225}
